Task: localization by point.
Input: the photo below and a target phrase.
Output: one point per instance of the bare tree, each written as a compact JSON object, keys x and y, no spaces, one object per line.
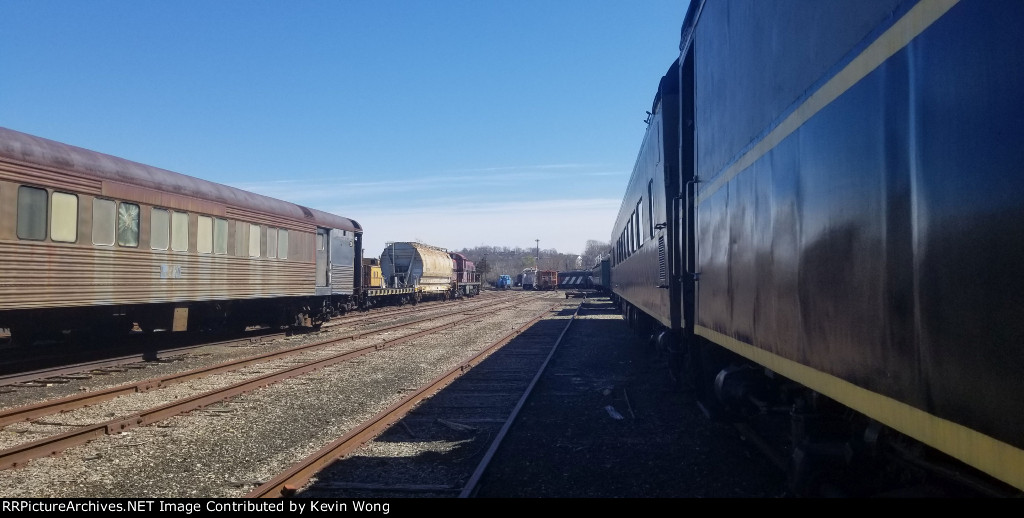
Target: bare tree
{"x":492,"y":261}
{"x":593,"y":250}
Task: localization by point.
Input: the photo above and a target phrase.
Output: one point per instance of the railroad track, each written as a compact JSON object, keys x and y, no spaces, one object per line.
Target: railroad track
{"x":68,"y":372}
{"x":89,"y":369}
{"x":467,"y":420}
{"x":78,"y":434}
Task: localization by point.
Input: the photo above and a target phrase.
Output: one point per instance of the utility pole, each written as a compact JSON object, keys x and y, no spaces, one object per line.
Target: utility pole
{"x":537,"y":258}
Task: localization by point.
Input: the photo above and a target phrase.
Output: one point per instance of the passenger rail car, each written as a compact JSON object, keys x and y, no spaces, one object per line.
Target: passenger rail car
{"x":94,"y":242}
{"x":601,"y":273}
{"x":826,"y":217}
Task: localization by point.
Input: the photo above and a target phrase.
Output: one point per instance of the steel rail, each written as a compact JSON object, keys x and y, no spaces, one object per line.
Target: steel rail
{"x":27,"y":412}
{"x":16,"y":455}
{"x":86,"y":367}
{"x":288,"y":482}
{"x":471,"y":485}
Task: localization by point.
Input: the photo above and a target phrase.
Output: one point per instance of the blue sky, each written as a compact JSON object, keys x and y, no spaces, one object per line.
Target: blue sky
{"x":454,"y":123}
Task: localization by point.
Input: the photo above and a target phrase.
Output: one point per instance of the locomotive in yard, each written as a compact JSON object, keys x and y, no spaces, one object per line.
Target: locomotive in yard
{"x":529,"y":278}
{"x":504,"y":282}
{"x":464,"y":275}
{"x":825,"y":225}
{"x":575,"y":279}
{"x":95,"y":244}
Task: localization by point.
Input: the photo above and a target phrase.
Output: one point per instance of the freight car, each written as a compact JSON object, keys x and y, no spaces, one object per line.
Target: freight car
{"x":416,"y":271}
{"x":423,"y":270}
{"x":547,"y":280}
{"x":94,"y":244}
{"x":825,"y":224}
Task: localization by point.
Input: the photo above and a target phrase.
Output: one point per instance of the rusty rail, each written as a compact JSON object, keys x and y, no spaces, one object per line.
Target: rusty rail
{"x":288,"y":482}
{"x":12,"y":457}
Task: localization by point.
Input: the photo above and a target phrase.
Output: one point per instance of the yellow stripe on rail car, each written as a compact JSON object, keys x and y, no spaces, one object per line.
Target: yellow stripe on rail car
{"x":998,"y":459}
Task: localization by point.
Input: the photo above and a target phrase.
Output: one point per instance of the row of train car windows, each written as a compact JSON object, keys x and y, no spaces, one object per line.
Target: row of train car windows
{"x":119,"y":222}
{"x":631,"y":239}
{"x":633,"y":236}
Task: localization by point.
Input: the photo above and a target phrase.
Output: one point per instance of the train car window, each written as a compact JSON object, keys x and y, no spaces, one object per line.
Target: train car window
{"x":31,"y":213}
{"x":319,"y":241}
{"x":640,"y":223}
{"x":657,"y":137}
{"x":161,"y":233}
{"x":628,"y":237}
{"x":104,"y":216}
{"x":271,"y":242}
{"x":64,"y":217}
{"x":179,"y":232}
{"x":220,"y":236}
{"x":204,"y":235}
{"x":650,"y":209}
{"x":632,"y":233}
{"x":254,"y":240}
{"x":128,"y":225}
{"x":282,"y":243}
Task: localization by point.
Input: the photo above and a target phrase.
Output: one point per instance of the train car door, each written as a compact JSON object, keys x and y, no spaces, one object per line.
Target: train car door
{"x":342,"y":261}
{"x":323,"y":263}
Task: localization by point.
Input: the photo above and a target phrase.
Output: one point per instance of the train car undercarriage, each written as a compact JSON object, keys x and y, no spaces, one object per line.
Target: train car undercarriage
{"x":823,"y":447}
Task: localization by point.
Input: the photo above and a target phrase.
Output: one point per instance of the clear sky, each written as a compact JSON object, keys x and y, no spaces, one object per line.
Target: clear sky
{"x":455,"y":123}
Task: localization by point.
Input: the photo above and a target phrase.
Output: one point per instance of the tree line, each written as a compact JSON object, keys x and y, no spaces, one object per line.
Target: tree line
{"x":492,"y":261}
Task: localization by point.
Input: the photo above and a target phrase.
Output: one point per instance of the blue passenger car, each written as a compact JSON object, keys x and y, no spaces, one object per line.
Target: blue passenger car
{"x":828,"y":195}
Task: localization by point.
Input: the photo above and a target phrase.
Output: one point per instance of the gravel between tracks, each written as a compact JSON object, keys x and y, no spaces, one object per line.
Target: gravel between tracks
{"x":604,"y":421}
{"x":225,"y":449}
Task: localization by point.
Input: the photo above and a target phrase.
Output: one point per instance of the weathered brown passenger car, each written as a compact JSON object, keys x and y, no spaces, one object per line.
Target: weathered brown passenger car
{"x":92,"y":242}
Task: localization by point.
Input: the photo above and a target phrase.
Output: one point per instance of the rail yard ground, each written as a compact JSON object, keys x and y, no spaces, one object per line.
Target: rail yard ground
{"x":605,"y":421}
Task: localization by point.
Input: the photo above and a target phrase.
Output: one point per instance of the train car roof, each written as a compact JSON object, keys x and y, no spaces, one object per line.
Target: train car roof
{"x":38,"y":151}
